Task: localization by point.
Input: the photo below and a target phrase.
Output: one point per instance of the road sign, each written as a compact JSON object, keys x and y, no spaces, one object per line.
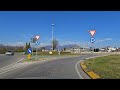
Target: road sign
{"x":92,"y":40}
{"x":37,"y":43}
{"x":92,"y":32}
{"x":33,"y":40}
{"x":29,"y":51}
{"x":37,"y":37}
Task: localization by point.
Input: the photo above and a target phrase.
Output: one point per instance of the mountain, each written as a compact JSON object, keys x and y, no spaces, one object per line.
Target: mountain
{"x":1,"y":45}
{"x":68,"y":46}
{"x":48,"y":47}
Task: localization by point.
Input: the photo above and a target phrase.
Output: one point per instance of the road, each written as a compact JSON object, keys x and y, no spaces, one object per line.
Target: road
{"x":7,"y":60}
{"x":67,"y":68}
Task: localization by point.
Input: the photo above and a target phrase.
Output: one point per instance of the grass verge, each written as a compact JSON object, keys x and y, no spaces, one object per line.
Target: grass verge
{"x":107,"y":67}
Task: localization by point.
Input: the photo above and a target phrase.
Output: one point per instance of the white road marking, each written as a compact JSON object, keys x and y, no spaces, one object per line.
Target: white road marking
{"x":13,"y":68}
{"x":9,"y":67}
{"x":11,"y":64}
{"x":78,"y":63}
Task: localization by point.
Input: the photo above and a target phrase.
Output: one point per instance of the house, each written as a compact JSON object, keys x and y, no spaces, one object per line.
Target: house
{"x":75,"y":49}
{"x":110,"y":49}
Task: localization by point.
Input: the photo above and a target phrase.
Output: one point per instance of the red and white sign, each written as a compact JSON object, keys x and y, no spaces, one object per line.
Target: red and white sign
{"x":37,"y":37}
{"x":92,"y":32}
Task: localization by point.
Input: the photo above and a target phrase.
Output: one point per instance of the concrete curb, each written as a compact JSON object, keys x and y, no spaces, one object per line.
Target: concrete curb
{"x":91,"y":74}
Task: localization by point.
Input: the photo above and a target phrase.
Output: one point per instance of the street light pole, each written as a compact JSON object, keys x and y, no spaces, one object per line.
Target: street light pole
{"x":52,"y":35}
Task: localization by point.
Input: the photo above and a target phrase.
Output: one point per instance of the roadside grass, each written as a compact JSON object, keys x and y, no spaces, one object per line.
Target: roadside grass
{"x":46,"y":56}
{"x":107,"y":67}
{"x":32,"y":60}
{"x":55,"y":53}
{"x":28,"y":60}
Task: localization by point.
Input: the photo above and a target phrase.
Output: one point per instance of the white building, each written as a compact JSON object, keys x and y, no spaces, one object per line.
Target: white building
{"x":110,"y":49}
{"x":76,"y":49}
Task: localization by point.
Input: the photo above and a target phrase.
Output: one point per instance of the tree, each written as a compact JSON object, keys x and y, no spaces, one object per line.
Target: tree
{"x":54,"y":43}
{"x":29,"y":46}
{"x":96,"y":50}
{"x":42,"y":48}
{"x":26,"y":47}
{"x":64,"y":49}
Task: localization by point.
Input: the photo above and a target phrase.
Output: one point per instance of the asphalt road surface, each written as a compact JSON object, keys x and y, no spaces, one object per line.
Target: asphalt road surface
{"x":7,"y":60}
{"x":67,"y":68}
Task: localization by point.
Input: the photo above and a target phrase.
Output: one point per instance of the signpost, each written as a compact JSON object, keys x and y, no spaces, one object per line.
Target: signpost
{"x":29,"y":53}
{"x":35,"y":40}
{"x":92,"y":32}
{"x":37,"y":43}
{"x":37,"y":37}
{"x":92,"y":39}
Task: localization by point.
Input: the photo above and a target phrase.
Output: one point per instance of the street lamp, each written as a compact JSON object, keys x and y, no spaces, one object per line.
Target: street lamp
{"x":52,"y":35}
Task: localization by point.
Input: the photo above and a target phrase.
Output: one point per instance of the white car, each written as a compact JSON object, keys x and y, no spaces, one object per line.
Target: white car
{"x":9,"y":52}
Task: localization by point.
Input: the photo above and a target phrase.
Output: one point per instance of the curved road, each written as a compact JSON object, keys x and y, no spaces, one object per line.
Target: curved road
{"x":67,"y":68}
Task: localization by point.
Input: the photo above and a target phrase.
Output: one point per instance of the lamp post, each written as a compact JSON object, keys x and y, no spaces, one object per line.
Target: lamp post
{"x":52,"y":35}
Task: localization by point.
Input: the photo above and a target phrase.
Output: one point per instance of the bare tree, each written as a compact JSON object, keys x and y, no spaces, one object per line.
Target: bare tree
{"x":55,"y":43}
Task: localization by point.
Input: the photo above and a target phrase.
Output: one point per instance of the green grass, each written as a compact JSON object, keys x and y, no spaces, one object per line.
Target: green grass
{"x":55,"y":53}
{"x":108,"y":67}
{"x":30,"y":60}
{"x":47,"y":56}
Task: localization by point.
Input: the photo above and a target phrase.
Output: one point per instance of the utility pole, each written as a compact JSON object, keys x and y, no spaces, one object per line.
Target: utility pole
{"x":52,"y":35}
{"x":32,"y":41}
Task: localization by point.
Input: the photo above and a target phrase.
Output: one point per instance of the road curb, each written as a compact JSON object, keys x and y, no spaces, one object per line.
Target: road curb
{"x":91,"y":74}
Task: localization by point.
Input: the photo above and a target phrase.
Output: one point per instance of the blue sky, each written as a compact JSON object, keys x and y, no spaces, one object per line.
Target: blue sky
{"x":17,"y":27}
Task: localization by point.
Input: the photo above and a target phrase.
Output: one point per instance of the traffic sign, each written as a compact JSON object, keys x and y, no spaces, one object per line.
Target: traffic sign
{"x":37,"y":43}
{"x":92,"y":40}
{"x":29,"y":51}
{"x":37,"y":37}
{"x":92,"y":32}
{"x":33,"y":40}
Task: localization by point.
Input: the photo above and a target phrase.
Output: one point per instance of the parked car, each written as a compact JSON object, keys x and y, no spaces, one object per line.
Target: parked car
{"x":10,"y":52}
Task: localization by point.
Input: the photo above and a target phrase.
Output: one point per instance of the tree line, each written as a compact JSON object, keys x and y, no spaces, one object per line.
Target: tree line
{"x":3,"y":48}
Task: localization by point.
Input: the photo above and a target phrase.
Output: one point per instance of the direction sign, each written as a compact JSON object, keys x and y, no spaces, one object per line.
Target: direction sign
{"x":33,"y":40}
{"x":92,"y":40}
{"x":29,"y":51}
{"x":37,"y":43}
{"x":92,"y":32}
{"x":37,"y":37}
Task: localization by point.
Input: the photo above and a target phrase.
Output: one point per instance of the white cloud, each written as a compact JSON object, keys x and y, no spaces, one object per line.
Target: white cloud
{"x":16,"y":44}
{"x":69,"y":42}
{"x":106,"y":39}
{"x":44,"y":44}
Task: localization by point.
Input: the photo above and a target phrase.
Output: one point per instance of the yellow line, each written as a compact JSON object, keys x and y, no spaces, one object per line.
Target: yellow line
{"x":83,"y":66}
{"x":91,"y":73}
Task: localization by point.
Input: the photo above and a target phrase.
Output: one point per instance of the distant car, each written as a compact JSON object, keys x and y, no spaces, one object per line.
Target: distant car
{"x":10,"y":52}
